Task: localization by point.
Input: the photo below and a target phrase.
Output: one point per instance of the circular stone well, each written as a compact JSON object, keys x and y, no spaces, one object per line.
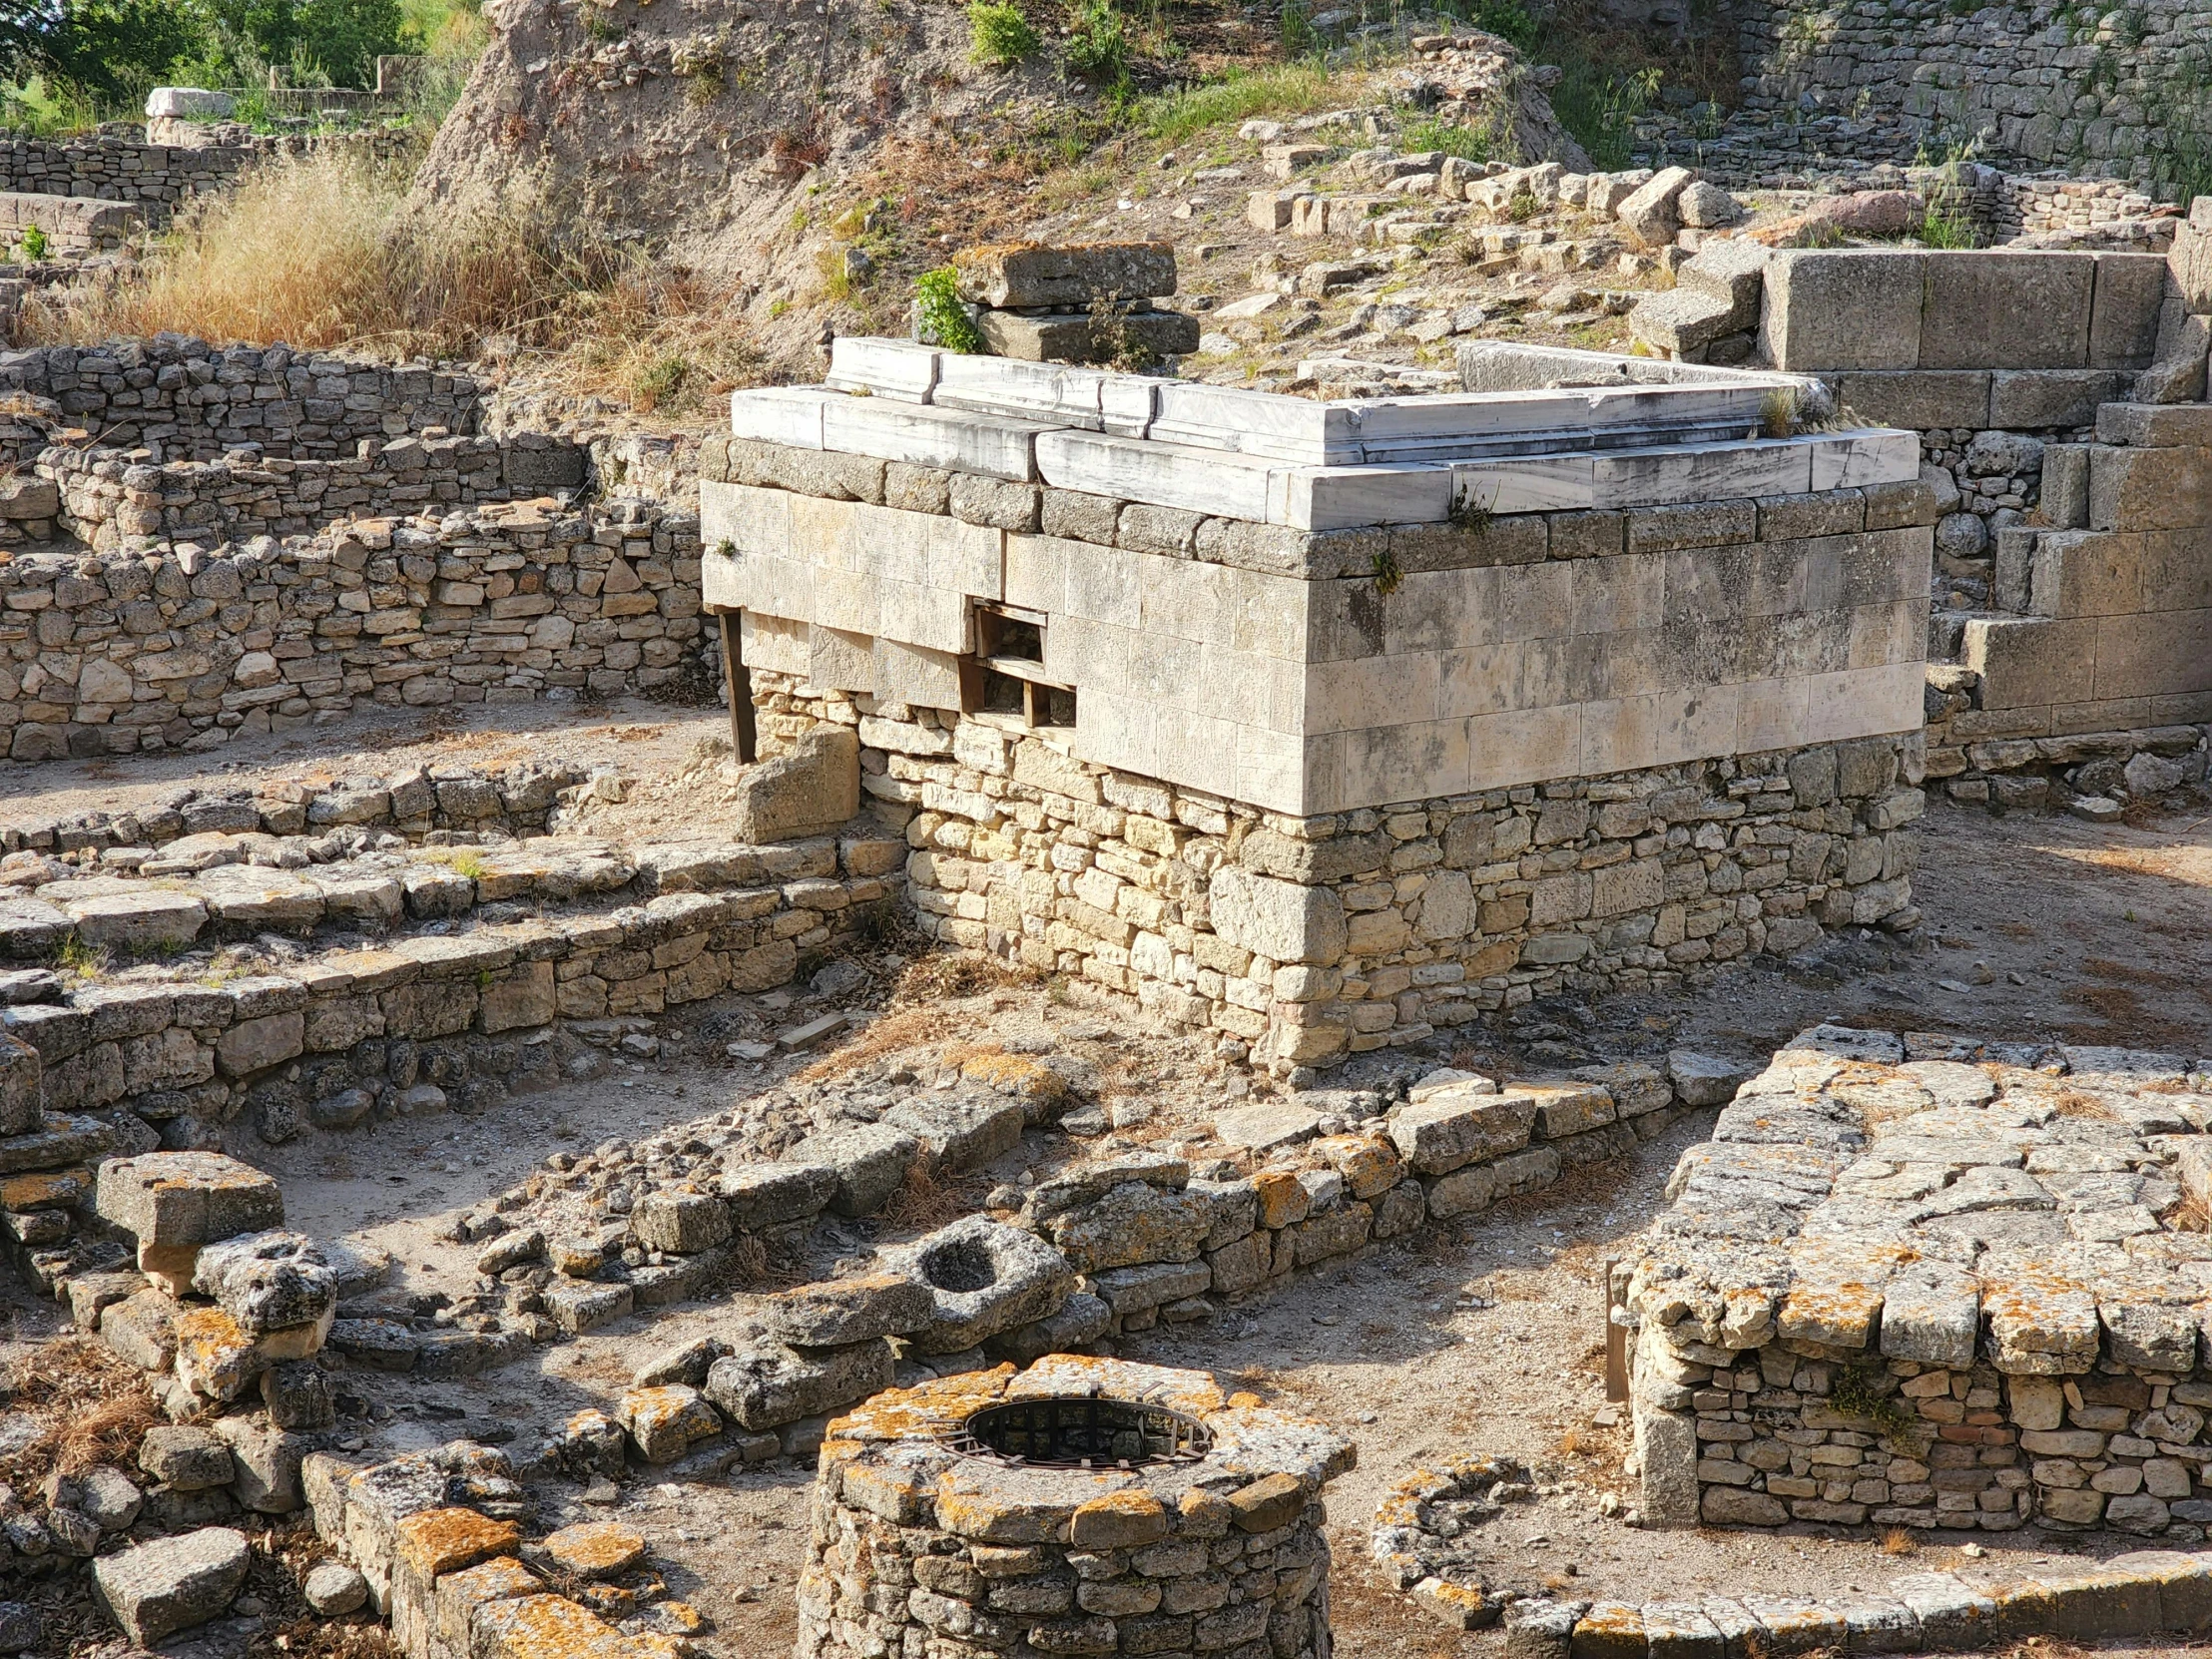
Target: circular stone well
{"x":1081,"y":1506}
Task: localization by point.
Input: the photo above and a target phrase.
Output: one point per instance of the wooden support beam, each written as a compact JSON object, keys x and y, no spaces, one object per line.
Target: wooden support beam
{"x":737,"y":678}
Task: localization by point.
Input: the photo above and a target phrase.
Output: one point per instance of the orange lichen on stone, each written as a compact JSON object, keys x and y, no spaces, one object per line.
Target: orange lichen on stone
{"x":595,"y":1549}
{"x":1610,"y":1630}
{"x":460,"y":1594}
{"x":1079,"y":1375}
{"x":996,"y":1505}
{"x":1370,"y":1164}
{"x":927,"y":1411}
{"x":897,"y":1494}
{"x":1282,"y":1199}
{"x":1119,"y":1520}
{"x":60,"y":1188}
{"x":437,"y":1541}
{"x":545,"y":1627}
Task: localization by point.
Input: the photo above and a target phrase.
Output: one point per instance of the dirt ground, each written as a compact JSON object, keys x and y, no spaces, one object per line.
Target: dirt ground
{"x":1488,"y":1340}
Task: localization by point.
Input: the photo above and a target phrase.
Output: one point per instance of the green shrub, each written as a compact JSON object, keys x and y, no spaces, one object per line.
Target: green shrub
{"x":1600,"y":107}
{"x":34,"y":242}
{"x":1508,"y":18}
{"x":937,"y":298}
{"x":999,"y":36}
{"x":1467,"y":142}
{"x":1098,"y":50}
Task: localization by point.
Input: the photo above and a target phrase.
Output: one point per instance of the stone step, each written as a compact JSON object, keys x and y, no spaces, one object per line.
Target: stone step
{"x":451,"y":1011}
{"x":213,"y":886}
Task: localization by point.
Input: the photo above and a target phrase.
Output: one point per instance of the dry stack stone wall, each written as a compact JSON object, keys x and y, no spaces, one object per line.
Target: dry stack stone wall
{"x":1313,"y":938}
{"x":114,"y":653}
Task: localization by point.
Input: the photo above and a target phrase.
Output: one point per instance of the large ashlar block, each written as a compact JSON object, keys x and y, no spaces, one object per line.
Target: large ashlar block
{"x":776,"y":644}
{"x":2166,"y":654}
{"x":789,"y":416}
{"x":1077,"y":337}
{"x":1920,"y":399}
{"x":1166,"y":474}
{"x":960,"y":441}
{"x":1852,"y":460}
{"x":2123,"y":309}
{"x":2149,"y":489}
{"x":1344,"y":497}
{"x":1842,"y":309}
{"x":2029,"y":663}
{"x":1018,"y":274}
{"x":2025,"y":398}
{"x":2085,"y":573}
{"x":898,"y":369}
{"x":1989,"y":309}
{"x":1644,"y":477}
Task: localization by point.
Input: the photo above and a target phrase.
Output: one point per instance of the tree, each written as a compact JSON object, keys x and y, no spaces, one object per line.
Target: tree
{"x":341,"y":38}
{"x":108,"y":48}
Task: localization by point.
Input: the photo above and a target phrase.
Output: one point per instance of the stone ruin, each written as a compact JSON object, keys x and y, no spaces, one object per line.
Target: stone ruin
{"x":1319,"y":727}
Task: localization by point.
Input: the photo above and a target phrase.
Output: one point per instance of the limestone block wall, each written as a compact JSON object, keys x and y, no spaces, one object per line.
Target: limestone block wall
{"x":121,"y":500}
{"x":1310,"y":939}
{"x":1311,"y":672}
{"x":2045,"y":82}
{"x":189,"y":401}
{"x":2104,"y":621}
{"x":127,"y":652}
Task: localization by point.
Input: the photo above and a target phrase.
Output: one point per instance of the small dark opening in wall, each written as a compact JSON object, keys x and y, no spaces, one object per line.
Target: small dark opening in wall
{"x":1053,"y":706}
{"x":1003,"y":694}
{"x":1010,"y":637}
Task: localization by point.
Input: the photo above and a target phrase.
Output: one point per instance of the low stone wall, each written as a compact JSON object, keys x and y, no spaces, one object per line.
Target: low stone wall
{"x":357,"y":1034}
{"x":1933,"y":1283}
{"x":121,"y":500}
{"x":158,"y":176}
{"x":117,"y":654}
{"x":1313,"y":938}
{"x":73,"y":228}
{"x":186,"y":399}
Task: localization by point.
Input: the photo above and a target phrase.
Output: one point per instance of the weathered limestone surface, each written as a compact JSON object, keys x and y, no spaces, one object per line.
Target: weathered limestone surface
{"x":1926,"y":1282}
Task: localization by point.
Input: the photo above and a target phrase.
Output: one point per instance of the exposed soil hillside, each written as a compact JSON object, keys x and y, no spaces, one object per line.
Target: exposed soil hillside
{"x":809,"y":157}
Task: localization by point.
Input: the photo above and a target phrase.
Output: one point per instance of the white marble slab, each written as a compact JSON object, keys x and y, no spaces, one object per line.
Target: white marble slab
{"x":789,"y":415}
{"x":1341,"y":497}
{"x":993,"y":446}
{"x":1637,"y":477}
{"x":1162,"y":475}
{"x":1880,"y":456}
{"x":886,"y":367}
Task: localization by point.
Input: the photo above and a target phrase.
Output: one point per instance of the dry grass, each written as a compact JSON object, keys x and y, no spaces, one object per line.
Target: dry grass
{"x":894,"y":1034}
{"x":950,"y":976}
{"x":1897,"y":1541}
{"x":2074,"y":1104}
{"x":92,"y":1408}
{"x":328,"y":251}
{"x":927,"y":1200}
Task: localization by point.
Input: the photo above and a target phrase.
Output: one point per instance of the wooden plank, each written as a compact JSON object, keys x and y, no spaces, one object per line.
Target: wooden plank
{"x":737,"y":678}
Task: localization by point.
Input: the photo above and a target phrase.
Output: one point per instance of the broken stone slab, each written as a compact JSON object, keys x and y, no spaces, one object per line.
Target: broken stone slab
{"x":266,"y":1462}
{"x":219,"y":1359}
{"x":770,"y":1385}
{"x":154,"y":1590}
{"x":871,"y":1161}
{"x":578,"y":1306}
{"x":961,"y":1132}
{"x":1078,"y":339}
{"x":761,"y":1196}
{"x":184,"y":1457}
{"x":664,"y":1421}
{"x":808,"y":791}
{"x":1131,"y":1224}
{"x":461,"y":1475}
{"x":132,"y":923}
{"x":681,"y":1219}
{"x":1651,"y":213}
{"x":172,"y":1203}
{"x":267,"y":1280}
{"x":1705,"y":1079}
{"x":836,"y":1311}
{"x":1263,"y":1128}
{"x":593,"y":1550}
{"x":1460,"y":1127}
{"x":1079,"y":1321}
{"x":983,"y":1278}
{"x":1025,"y":274}
{"x":103,"y":1496}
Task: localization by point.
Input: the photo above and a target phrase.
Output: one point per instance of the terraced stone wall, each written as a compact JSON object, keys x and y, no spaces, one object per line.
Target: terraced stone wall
{"x":188,"y":400}
{"x":121,"y":652}
{"x":156,"y":177}
{"x":122,"y":501}
{"x":1313,"y":938}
